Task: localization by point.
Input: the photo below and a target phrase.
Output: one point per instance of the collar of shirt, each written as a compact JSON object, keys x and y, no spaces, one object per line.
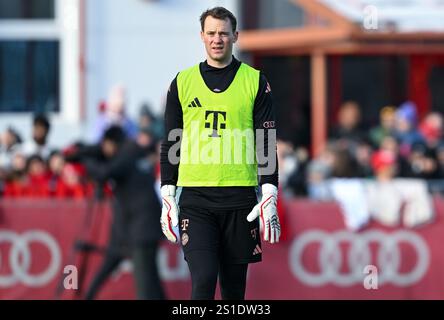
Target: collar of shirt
{"x":207,"y":68}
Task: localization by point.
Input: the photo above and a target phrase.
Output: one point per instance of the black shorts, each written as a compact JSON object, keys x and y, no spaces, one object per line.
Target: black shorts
{"x":226,"y":232}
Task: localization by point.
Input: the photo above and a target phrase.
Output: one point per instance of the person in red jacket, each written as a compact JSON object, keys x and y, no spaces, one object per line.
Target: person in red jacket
{"x":37,"y":185}
{"x":16,"y":178}
{"x":69,"y":184}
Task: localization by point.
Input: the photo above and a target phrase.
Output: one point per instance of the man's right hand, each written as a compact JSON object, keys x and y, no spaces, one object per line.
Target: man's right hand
{"x":170,"y":212}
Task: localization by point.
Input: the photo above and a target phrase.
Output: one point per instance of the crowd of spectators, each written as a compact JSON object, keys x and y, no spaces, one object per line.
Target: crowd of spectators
{"x":400,"y":146}
{"x":32,"y":168}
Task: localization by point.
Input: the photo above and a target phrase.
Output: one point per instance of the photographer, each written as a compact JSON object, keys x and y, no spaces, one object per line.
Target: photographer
{"x":135,"y":230}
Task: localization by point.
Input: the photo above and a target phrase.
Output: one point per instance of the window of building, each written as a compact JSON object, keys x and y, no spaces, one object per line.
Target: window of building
{"x":29,"y":76}
{"x":289,"y":78}
{"x":39,"y":54}
{"x":27,"y":9}
{"x":373,"y":82}
{"x":266,"y":14}
{"x":436,"y":82}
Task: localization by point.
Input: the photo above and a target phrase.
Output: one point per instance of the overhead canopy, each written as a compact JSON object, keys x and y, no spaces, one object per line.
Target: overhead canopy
{"x":402,"y":15}
{"x":404,"y":26}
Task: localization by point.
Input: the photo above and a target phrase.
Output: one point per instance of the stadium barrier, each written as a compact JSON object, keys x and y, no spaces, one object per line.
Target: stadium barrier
{"x":320,"y":259}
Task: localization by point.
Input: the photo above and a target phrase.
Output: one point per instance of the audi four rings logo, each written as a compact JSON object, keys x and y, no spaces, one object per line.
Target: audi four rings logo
{"x":20,"y":257}
{"x":269,"y":124}
{"x":358,"y":256}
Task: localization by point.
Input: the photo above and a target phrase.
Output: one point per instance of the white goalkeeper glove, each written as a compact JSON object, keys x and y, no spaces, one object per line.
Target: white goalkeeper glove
{"x":267,"y":212}
{"x":170,"y":213}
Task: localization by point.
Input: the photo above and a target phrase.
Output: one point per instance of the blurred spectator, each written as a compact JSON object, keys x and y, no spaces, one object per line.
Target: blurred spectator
{"x":297,"y":181}
{"x":349,"y":129}
{"x":146,"y":116}
{"x":286,"y":159}
{"x":423,"y":164}
{"x":102,"y":107}
{"x":403,"y":169}
{"x":440,"y":159}
{"x":16,"y":179}
{"x":363,"y":154}
{"x":387,"y":124}
{"x":38,"y":144}
{"x":56,"y":162}
{"x":69,"y":184}
{"x":147,"y":119}
{"x":384,"y":165}
{"x":18,"y":163}
{"x":392,"y":200}
{"x":37,"y":177}
{"x":318,"y":171}
{"x":423,"y":157}
{"x":405,"y":132}
{"x":148,"y":142}
{"x":114,"y":114}
{"x":289,"y":166}
{"x":344,"y":164}
{"x":385,"y":200}
{"x":135,"y":229}
{"x":10,"y":142}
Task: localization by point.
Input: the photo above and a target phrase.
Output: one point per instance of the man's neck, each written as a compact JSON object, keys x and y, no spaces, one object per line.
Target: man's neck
{"x":219,"y":64}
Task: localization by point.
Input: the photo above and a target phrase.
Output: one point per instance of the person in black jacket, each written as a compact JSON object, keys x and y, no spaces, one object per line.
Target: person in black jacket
{"x":135,"y":230}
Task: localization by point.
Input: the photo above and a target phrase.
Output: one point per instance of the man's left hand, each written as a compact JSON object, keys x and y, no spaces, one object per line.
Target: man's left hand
{"x":267,"y":211}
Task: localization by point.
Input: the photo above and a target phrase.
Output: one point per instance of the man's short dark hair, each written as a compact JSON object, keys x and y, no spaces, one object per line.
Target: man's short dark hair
{"x":219,"y":13}
{"x":114,"y":134}
{"x":42,"y":120}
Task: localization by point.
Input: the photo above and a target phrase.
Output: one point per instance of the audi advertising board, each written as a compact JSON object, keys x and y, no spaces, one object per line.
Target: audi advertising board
{"x":319,"y":259}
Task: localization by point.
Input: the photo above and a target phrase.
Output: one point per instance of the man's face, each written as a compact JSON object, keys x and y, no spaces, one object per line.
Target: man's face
{"x":144,"y":139}
{"x":8,"y":139}
{"x":39,"y":132}
{"x":349,"y":116}
{"x":109,"y":148}
{"x":218,"y":38}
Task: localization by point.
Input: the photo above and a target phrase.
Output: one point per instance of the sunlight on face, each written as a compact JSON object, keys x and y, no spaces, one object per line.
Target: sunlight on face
{"x":218,"y":38}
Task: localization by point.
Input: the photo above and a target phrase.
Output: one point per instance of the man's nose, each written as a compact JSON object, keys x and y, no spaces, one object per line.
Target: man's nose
{"x":218,"y":38}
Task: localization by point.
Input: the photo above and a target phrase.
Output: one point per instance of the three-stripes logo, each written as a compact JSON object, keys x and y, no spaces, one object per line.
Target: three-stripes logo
{"x":195,"y":103}
{"x":257,"y":250}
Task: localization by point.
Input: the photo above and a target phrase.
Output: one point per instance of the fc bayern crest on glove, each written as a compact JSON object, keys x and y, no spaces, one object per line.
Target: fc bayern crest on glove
{"x":267,"y":212}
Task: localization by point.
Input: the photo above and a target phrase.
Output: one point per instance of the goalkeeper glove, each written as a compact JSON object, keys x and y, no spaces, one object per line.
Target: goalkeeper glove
{"x":170,"y":213}
{"x":267,"y":211}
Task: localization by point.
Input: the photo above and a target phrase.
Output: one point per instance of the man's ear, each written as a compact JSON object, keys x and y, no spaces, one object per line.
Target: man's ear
{"x":236,"y":36}
{"x":202,"y":36}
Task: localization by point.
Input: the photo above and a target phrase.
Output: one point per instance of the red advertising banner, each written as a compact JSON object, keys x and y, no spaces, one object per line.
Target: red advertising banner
{"x":320,"y":259}
{"x":323,"y":260}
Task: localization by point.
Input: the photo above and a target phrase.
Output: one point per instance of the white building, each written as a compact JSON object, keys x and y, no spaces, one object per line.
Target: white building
{"x":64,"y":55}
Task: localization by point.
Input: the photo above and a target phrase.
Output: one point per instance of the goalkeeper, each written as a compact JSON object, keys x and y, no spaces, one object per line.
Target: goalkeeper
{"x":219,"y":216}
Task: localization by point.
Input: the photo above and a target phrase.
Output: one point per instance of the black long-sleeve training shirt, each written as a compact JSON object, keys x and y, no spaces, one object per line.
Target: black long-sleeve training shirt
{"x":218,"y":80}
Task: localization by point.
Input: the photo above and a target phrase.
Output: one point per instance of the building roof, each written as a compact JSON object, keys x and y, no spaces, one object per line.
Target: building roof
{"x":332,"y":26}
{"x":400,"y":15}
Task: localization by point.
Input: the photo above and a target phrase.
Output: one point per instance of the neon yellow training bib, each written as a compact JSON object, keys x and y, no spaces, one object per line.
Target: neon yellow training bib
{"x":218,"y":147}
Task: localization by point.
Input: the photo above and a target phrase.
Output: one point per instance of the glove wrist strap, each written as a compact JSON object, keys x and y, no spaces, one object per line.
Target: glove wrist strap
{"x":268,"y":188}
{"x":168,"y":190}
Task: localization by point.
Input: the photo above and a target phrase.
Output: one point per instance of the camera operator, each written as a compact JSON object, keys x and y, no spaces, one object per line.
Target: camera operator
{"x":135,"y":230}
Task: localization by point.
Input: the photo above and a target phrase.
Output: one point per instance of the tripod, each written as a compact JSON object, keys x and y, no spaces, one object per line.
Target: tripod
{"x":83,"y":245}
